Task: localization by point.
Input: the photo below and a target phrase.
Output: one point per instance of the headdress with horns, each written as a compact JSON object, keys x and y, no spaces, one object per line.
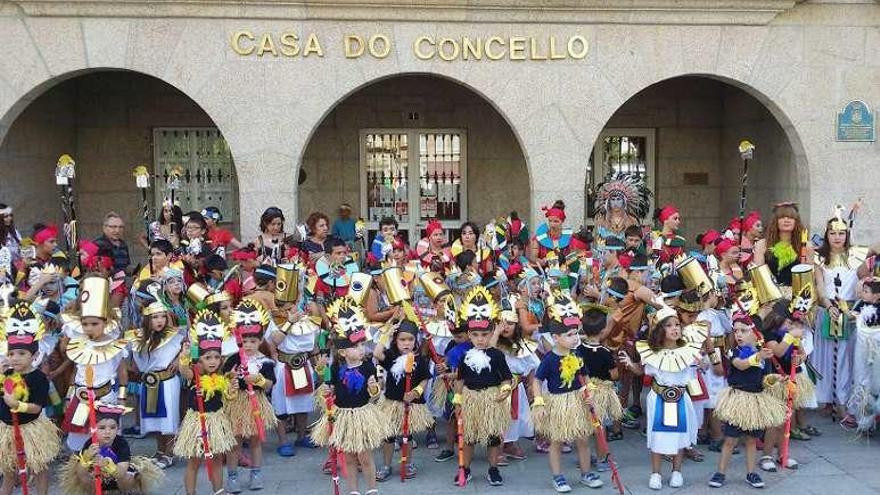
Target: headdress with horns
{"x":478,"y":309}
{"x":251,"y":318}
{"x":349,"y":322}
{"x":563,"y":313}
{"x":208,"y":331}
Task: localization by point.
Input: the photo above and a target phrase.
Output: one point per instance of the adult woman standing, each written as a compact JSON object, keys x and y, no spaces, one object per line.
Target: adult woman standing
{"x":836,"y":281}
{"x":270,"y":242}
{"x":551,"y":236}
{"x":10,"y":238}
{"x":784,"y":243}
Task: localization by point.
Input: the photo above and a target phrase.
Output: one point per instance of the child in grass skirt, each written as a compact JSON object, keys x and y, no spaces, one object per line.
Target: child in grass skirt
{"x":20,"y":334}
{"x":355,"y":425}
{"x":120,"y":471}
{"x":251,"y":319}
{"x":743,"y":407}
{"x":560,"y":409}
{"x":484,"y":383}
{"x":214,"y":389}
{"x":394,"y":360}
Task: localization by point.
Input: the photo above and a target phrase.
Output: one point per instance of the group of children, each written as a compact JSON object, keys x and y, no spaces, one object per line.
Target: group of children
{"x":555,"y":338}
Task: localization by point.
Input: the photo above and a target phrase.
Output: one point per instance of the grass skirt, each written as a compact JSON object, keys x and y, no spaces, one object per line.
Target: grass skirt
{"x":242,"y":418}
{"x":420,"y":418}
{"x":565,"y":417}
{"x":439,"y":394}
{"x":749,"y":411}
{"x":804,"y":394}
{"x":607,"y":401}
{"x":483,"y":416}
{"x":188,"y":443}
{"x":147,"y":479}
{"x":357,"y":429}
{"x":42,"y":442}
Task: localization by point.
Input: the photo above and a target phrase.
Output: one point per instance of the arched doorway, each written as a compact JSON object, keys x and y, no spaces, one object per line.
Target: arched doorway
{"x":683,"y":133}
{"x":110,"y":122}
{"x":415,"y":147}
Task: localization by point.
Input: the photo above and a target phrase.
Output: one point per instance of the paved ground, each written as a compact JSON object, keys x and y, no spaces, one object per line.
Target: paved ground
{"x":834,"y":463}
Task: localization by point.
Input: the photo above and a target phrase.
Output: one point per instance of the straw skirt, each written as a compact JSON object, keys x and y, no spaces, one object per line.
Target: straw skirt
{"x":483,"y":416}
{"x":565,"y":417}
{"x":749,"y":411}
{"x":420,"y":417}
{"x":357,"y":429}
{"x":42,"y":442}
{"x":241,"y":416}
{"x":188,"y":443}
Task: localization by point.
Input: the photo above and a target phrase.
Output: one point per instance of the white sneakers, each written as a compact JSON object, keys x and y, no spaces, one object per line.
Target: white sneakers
{"x":655,"y":482}
{"x":676,"y":480}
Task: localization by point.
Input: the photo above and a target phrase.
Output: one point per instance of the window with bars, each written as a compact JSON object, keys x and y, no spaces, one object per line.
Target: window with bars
{"x":413,"y":175}
{"x":208,"y":177}
{"x":620,"y":150}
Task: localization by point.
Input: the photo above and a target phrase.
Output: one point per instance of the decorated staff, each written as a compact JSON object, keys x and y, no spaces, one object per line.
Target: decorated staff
{"x":142,"y":180}
{"x":404,"y":447}
{"x":172,"y":181}
{"x":337,"y":458}
{"x":65,"y":171}
{"x":746,"y":150}
{"x":17,"y":440}
{"x":93,"y":423}
{"x":599,"y":432}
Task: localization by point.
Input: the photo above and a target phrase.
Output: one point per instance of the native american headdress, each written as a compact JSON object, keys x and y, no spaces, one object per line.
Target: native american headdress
{"x":21,"y":328}
{"x":208,"y":330}
{"x":478,"y":309}
{"x":631,"y":188}
{"x":250,"y":318}
{"x":349,"y":322}
{"x":563,"y":313}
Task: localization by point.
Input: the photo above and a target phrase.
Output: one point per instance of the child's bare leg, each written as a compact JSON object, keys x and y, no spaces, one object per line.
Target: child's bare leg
{"x":368,"y":467}
{"x":351,"y":472}
{"x":555,"y":457}
{"x":9,"y":478}
{"x":583,"y":451}
{"x":189,"y":477}
{"x":41,"y":480}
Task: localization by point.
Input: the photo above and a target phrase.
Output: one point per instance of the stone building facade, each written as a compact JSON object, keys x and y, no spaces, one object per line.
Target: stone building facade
{"x":534,"y":86}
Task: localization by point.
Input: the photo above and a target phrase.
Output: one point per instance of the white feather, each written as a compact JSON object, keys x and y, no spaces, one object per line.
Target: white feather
{"x":477,"y":360}
{"x":398,"y":368}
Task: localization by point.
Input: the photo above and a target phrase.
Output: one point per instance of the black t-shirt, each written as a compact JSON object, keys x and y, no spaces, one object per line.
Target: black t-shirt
{"x":481,"y":369}
{"x":119,"y":451}
{"x":395,"y":386}
{"x":350,"y":384}
{"x":38,"y":393}
{"x":598,"y":359}
{"x":785,"y":360}
{"x":267,"y":369}
{"x":748,"y":380}
{"x":213,"y":404}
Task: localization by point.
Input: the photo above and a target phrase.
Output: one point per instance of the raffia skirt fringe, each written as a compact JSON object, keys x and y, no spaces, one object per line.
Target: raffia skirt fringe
{"x":241,"y":416}
{"x":805,"y":390}
{"x":147,"y":479}
{"x":438,"y":394}
{"x":42,"y":442}
{"x":188,"y":443}
{"x":319,"y":395}
{"x":607,"y":401}
{"x":749,"y":411}
{"x":565,"y":417}
{"x":420,"y":418}
{"x":358,"y":429}
{"x":483,"y":416}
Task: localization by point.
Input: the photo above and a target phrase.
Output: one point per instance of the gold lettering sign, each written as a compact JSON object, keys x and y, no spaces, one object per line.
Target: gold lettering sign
{"x":290,"y":44}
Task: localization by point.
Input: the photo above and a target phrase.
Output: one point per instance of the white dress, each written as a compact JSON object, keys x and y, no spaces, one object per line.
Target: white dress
{"x":833,"y":358}
{"x":523,"y":364}
{"x":301,"y":402}
{"x":670,"y":442}
{"x":158,"y":360}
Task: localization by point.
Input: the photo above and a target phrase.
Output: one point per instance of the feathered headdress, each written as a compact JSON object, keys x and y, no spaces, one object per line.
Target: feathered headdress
{"x":251,"y":318}
{"x":563,"y":312}
{"x":478,"y":309}
{"x":631,"y":188}
{"x":349,"y":322}
{"x":21,"y":328}
{"x":207,"y":332}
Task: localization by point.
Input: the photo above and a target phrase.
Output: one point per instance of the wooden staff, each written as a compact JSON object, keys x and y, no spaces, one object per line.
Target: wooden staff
{"x":200,"y":405}
{"x":330,"y":403}
{"x":601,"y":439}
{"x":404,"y":447}
{"x":252,"y":396}
{"x":792,"y":375}
{"x":459,"y":425}
{"x":21,"y":460}
{"x":745,"y":152}
{"x":93,"y":423}
{"x":412,"y":314}
{"x":142,"y":181}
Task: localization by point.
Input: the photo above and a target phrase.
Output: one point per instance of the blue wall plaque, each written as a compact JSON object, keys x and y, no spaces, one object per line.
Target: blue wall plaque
{"x":855,"y":122}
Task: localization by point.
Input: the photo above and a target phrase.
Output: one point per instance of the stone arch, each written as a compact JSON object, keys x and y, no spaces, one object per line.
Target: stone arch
{"x":430,"y":83}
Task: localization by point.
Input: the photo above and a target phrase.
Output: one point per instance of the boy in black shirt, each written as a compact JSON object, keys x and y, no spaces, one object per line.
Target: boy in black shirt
{"x":483,"y":385}
{"x":25,"y":394}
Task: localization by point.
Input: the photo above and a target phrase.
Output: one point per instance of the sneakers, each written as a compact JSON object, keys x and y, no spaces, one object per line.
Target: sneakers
{"x":717,"y":480}
{"x":411,"y":471}
{"x":502,"y":461}
{"x":799,"y":434}
{"x":232,"y":484}
{"x":444,"y":455}
{"x":432,"y":442}
{"x":754,"y":480}
{"x":603,"y":465}
{"x":791,"y":463}
{"x":467,"y":476}
{"x":494,"y":477}
{"x":591,"y":479}
{"x":560,"y":485}
{"x":767,"y":464}
{"x":383,"y":473}
{"x":655,"y":482}
{"x":542,"y":446}
{"x":676,"y":480}
{"x":256,"y":482}
{"x":566,"y":448}
{"x":513,"y":451}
